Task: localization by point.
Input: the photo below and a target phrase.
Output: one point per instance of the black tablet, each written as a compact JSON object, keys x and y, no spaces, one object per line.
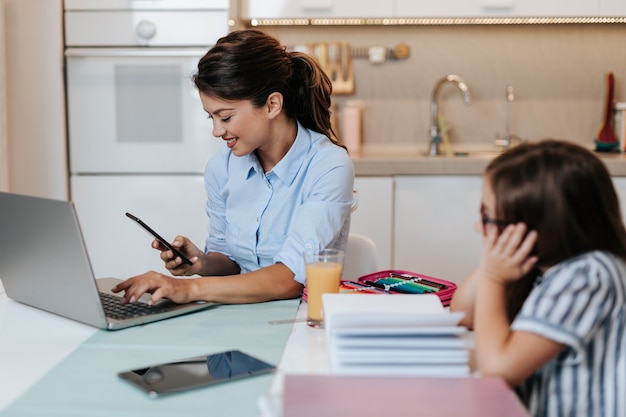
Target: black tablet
{"x":199,"y":371}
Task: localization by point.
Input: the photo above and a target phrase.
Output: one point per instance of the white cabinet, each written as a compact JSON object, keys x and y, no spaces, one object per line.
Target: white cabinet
{"x":496,"y":8}
{"x":434,"y":225}
{"x":373,"y":216}
{"x":612,"y":8}
{"x":274,"y":9}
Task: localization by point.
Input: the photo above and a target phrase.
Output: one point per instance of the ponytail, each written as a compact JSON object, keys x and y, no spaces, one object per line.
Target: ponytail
{"x":312,"y":96}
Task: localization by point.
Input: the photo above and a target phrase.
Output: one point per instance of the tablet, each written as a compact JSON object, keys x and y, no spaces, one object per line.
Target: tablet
{"x":196,"y":372}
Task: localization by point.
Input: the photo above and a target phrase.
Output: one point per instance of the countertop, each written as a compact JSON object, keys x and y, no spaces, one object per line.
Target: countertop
{"x":391,"y":160}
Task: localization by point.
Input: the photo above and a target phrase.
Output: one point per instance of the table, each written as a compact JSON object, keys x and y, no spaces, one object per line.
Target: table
{"x":50,"y":366}
{"x":70,"y":369}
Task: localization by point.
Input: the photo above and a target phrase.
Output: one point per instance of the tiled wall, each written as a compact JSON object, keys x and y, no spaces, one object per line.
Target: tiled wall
{"x":557,"y":71}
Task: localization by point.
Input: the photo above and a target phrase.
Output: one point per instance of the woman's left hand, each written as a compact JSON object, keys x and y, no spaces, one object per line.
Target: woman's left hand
{"x":507,"y":256}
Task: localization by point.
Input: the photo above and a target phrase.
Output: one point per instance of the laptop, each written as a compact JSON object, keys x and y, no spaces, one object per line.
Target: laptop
{"x":44,"y":264}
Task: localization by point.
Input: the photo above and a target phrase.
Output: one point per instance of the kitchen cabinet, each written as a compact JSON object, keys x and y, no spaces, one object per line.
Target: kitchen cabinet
{"x":373,"y":216}
{"x":496,"y":8}
{"x":434,"y":219}
{"x":275,"y":9}
{"x":612,"y":8}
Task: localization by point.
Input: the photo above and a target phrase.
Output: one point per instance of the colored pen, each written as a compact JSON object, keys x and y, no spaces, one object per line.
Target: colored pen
{"x":418,"y":279}
{"x":396,"y":285}
{"x":406,"y":285}
{"x":388,"y":288}
{"x":416,"y":284}
{"x":353,"y":286}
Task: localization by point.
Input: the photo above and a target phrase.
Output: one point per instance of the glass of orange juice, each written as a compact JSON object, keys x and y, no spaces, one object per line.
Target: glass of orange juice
{"x":323,"y":275}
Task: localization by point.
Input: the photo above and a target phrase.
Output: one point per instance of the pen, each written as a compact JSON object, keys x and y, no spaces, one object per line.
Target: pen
{"x":353,"y":286}
{"x":418,"y":279}
{"x":394,"y":286}
{"x":407,"y":285}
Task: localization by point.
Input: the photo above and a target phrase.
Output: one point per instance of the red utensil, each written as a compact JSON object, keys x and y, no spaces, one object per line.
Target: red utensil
{"x":606,"y":133}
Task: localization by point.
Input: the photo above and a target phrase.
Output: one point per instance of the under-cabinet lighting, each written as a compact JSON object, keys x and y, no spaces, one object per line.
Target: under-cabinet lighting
{"x":406,"y":21}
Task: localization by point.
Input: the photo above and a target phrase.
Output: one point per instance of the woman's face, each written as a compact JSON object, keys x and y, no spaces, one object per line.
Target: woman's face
{"x":243,"y":126}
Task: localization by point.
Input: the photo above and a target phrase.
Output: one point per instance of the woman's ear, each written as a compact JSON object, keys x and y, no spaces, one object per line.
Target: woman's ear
{"x":274,"y":104}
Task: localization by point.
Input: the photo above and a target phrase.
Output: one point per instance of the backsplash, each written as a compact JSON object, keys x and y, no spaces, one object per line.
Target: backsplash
{"x":557,"y":72}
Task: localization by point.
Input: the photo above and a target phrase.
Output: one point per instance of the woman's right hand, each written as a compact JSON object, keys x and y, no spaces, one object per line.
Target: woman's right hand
{"x":174,"y":263}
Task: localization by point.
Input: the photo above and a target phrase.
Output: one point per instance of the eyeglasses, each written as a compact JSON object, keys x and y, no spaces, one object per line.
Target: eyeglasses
{"x":488,"y":220}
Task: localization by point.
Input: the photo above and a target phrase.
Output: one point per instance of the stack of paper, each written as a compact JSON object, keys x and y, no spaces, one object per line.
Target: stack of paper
{"x":373,"y":334}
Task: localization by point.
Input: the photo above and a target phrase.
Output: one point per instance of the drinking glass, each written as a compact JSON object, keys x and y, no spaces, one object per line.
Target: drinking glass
{"x":323,"y":275}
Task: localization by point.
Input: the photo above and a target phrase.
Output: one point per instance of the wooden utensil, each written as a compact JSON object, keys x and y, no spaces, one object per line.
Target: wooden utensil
{"x":606,"y":133}
{"x":340,"y":68}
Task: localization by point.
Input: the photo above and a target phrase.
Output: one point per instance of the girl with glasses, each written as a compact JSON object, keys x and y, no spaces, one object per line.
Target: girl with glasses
{"x":548,"y":299}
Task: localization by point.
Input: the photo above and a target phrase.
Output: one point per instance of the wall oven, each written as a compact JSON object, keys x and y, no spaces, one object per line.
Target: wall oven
{"x":138,"y":138}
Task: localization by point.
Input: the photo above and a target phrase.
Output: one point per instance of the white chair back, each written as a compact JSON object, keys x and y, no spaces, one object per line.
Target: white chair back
{"x":360,"y":257}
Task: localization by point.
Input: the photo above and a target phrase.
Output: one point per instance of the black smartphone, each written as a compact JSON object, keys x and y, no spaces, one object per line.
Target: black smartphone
{"x":159,"y":238}
{"x":199,"y":371}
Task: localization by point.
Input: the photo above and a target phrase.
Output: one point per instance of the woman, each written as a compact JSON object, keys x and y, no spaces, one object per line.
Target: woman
{"x":282,"y":183}
{"x":550,"y":215}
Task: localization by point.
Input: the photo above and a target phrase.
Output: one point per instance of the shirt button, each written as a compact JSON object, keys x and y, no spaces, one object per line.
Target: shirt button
{"x":257,"y":219}
{"x":269,"y":186}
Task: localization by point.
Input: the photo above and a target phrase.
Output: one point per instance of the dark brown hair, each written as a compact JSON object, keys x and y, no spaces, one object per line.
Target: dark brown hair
{"x":564,"y":192}
{"x":251,"y":65}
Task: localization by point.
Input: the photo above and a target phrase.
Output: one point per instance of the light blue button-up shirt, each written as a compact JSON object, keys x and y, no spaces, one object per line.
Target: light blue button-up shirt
{"x":259,"y":219}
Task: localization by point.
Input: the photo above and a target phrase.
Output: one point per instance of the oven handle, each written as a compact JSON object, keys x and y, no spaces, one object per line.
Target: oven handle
{"x":134,"y":52}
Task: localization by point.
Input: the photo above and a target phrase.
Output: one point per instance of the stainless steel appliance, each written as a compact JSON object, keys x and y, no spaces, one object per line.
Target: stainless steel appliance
{"x":138,"y":137}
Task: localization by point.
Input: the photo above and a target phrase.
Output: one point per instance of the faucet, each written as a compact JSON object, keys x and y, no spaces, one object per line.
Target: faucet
{"x":435,"y":133}
{"x":505,"y":140}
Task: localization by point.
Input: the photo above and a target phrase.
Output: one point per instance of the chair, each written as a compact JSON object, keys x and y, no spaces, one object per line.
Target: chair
{"x":360,"y":257}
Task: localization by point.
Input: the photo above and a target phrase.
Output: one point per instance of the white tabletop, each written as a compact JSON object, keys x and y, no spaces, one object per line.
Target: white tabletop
{"x":31,"y":343}
{"x":24,"y":360}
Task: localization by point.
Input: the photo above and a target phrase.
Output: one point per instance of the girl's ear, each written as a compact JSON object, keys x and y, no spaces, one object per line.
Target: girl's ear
{"x":274,"y":105}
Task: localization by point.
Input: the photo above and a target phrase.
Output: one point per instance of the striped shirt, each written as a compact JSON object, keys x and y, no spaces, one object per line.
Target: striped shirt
{"x":580,"y":303}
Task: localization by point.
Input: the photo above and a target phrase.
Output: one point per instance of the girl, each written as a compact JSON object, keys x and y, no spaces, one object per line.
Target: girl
{"x":281,"y":184}
{"x":550,"y":216}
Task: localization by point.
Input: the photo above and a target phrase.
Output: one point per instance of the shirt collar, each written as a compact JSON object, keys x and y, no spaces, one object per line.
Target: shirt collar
{"x":287,"y":168}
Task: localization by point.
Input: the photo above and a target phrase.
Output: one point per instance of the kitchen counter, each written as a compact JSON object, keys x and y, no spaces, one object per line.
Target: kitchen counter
{"x":391,"y":160}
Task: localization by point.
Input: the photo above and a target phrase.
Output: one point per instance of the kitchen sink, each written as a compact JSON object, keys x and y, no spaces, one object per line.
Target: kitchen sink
{"x":470,"y":153}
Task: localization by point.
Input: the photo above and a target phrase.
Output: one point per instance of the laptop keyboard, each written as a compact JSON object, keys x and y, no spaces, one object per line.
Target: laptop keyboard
{"x":114,"y":309}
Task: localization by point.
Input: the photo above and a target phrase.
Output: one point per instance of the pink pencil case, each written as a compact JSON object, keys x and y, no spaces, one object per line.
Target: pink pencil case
{"x":398,"y":281}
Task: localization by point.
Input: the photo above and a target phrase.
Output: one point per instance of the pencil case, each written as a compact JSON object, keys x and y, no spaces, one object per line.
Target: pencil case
{"x":398,"y":281}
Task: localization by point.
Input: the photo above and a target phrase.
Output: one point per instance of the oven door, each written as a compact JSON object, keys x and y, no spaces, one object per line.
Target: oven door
{"x":136,"y":111}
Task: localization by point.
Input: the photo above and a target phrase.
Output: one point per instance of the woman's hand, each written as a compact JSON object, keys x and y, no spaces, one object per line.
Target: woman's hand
{"x":507,"y":257}
{"x":160,"y":286}
{"x":175,"y":264}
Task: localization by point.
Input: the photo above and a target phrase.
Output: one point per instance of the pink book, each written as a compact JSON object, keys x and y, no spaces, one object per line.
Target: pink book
{"x":343,"y":396}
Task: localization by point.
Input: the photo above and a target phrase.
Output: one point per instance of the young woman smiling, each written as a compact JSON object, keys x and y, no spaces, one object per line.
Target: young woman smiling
{"x":282,"y":183}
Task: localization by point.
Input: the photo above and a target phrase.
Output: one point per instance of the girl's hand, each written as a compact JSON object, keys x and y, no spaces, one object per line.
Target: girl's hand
{"x":507,"y":257}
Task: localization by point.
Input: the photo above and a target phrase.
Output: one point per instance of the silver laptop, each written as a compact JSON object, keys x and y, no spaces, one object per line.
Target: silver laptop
{"x":44,"y":264}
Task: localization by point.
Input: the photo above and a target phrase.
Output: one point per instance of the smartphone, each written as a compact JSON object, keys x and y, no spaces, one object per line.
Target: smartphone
{"x":196,"y":372}
{"x":160,"y":239}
